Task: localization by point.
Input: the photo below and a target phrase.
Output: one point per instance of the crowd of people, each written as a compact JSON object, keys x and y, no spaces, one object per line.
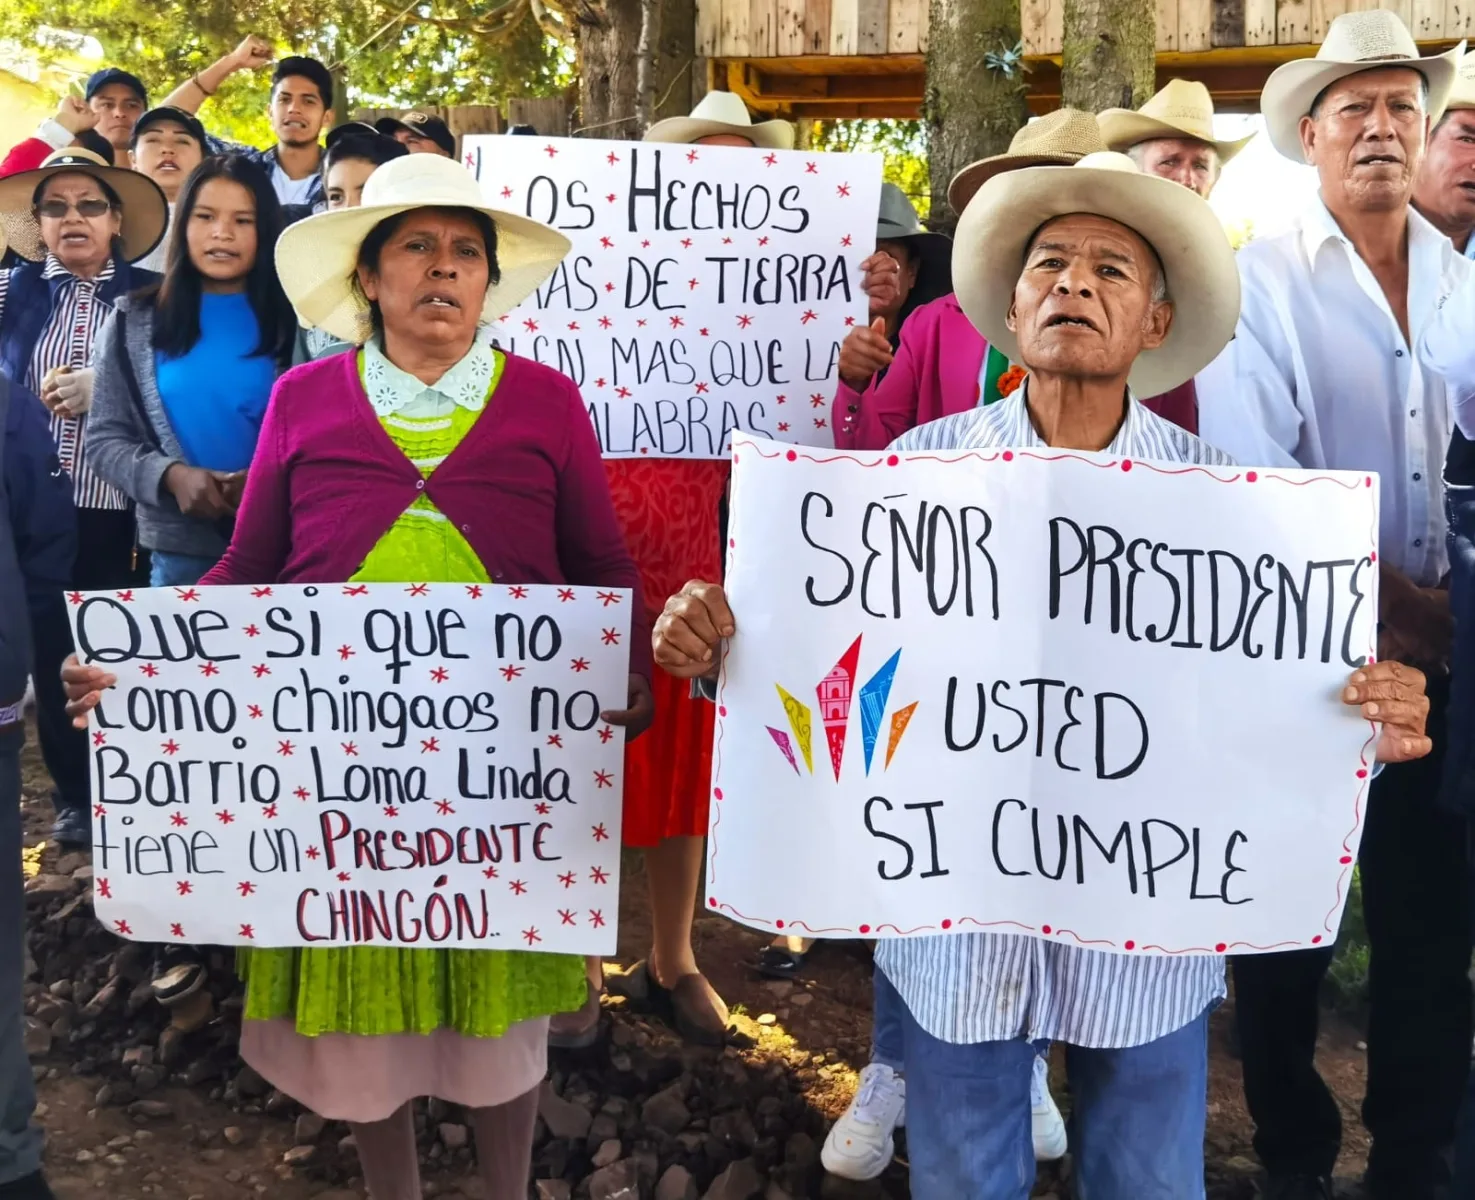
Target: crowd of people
{"x":207,"y":349}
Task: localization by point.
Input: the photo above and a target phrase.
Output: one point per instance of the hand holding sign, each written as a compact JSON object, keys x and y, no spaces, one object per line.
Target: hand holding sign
{"x":688,"y":634}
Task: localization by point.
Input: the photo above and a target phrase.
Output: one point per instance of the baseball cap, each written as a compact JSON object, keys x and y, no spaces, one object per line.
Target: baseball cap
{"x":167,"y":112}
{"x":424,"y":124}
{"x":100,"y":79}
{"x":350,"y":129}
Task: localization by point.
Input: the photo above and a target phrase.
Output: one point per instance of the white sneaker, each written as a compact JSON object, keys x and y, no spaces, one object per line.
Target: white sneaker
{"x":1046,"y":1124}
{"x":860,"y":1144}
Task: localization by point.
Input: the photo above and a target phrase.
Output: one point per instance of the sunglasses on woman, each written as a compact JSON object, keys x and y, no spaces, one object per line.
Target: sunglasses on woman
{"x":57,"y":209}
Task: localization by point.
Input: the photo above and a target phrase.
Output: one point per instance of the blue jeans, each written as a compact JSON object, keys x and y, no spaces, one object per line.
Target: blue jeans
{"x":20,"y":1139}
{"x":888,"y":1022}
{"x":177,"y":570}
{"x":1137,"y":1127}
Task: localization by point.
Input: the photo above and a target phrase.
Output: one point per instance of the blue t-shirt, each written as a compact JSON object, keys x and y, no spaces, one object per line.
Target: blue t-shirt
{"x":216,"y":394}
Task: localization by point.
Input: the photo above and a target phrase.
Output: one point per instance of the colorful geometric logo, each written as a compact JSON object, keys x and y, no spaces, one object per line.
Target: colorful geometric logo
{"x":835,"y":694}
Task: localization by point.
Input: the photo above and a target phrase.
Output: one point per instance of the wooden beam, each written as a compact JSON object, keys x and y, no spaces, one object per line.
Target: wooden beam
{"x":1229,"y":23}
{"x":844,"y":27}
{"x":1167,"y":24}
{"x":789,"y":33}
{"x":816,"y":26}
{"x":871,"y":18}
{"x":762,"y":27}
{"x":1259,"y":22}
{"x":902,"y":26}
{"x":1195,"y":21}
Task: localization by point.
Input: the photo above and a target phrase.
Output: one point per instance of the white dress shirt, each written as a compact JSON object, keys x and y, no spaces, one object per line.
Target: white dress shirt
{"x":1447,"y":349}
{"x":1319,"y":376}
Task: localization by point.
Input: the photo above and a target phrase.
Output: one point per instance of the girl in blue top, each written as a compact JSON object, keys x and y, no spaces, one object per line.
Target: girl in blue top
{"x":184,"y":371}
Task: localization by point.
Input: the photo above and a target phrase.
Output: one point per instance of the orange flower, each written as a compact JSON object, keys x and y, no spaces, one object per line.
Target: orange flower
{"x":1010,"y":380}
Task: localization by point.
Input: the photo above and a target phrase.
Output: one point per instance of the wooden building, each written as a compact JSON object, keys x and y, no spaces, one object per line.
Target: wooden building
{"x":867,"y":58}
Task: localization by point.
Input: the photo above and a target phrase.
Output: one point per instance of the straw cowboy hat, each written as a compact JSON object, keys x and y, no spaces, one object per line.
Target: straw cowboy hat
{"x":1355,"y":41}
{"x":1058,"y":138}
{"x":317,"y":257}
{"x":1182,"y":109}
{"x":996,"y":228}
{"x":722,"y":112}
{"x":145,"y":211}
{"x":1462,"y":93}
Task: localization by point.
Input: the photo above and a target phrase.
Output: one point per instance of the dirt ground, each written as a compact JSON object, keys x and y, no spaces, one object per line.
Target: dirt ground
{"x":210,"y":1148}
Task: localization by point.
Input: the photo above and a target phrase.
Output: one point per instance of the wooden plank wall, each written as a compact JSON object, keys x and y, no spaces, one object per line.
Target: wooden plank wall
{"x":789,"y":28}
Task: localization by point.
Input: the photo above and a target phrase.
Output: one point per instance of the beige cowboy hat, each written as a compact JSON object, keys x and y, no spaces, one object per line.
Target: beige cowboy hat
{"x":317,"y":257}
{"x":1056,"y":139}
{"x":145,"y":211}
{"x":1462,"y":92}
{"x":722,"y":112}
{"x":1355,"y":41}
{"x":1181,"y":109}
{"x":995,"y":230}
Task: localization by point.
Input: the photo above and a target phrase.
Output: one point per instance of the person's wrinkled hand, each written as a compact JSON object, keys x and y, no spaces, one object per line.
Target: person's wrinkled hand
{"x":69,"y":392}
{"x":640,"y":711}
{"x":73,"y":115}
{"x":688,"y":634}
{"x":881,"y":280}
{"x":84,"y":687}
{"x":253,"y":52}
{"x":198,"y":492}
{"x":864,"y":352}
{"x":1393,"y":694}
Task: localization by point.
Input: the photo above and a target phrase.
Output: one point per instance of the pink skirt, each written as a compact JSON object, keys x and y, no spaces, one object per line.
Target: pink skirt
{"x":351,"y":1077}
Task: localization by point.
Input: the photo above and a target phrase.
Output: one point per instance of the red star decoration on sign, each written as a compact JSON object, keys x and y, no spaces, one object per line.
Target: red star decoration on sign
{"x":184,"y":887}
{"x":611,"y":197}
{"x":579,"y":665}
{"x":727,"y":241}
{"x":596,"y":918}
{"x":440,"y":674}
{"x":270,"y":811}
{"x":811,"y":169}
{"x":622,"y":392}
{"x":783,"y":427}
{"x":542,"y":809}
{"x":429,"y":745}
{"x":345,"y":652}
{"x":104,"y":889}
{"x":532,"y":935}
{"x":74,"y":597}
{"x":565,"y":595}
{"x":254,"y":711}
{"x":171,"y":747}
{"x":550,"y":150}
{"x":611,"y":158}
{"x":445,"y":808}
{"x":686,"y":243}
{"x":567,"y":879}
{"x":693,"y":284}
{"x":849,"y":321}
{"x":506,"y":193}
{"x":606,"y":733}
{"x":600,"y":834}
{"x":246,"y":887}
{"x":149,"y":669}
{"x":677,"y":322}
{"x":518,"y":592}
{"x":125,"y":596}
{"x":820,"y":422}
{"x":284,"y":749}
{"x":509,"y":672}
{"x":122,"y":927}
{"x":701,"y":388}
{"x":846,"y":240}
{"x":474,"y":590}
{"x":302,"y":793}
{"x":419,"y":589}
{"x":640,"y":322}
{"x":604,"y":323}
{"x":744,"y":322}
{"x":573,"y":327}
{"x":313,"y":853}
{"x":490,"y":872}
{"x":816,"y":400}
{"x":842,"y":190}
{"x":518,"y":887}
{"x":763,"y":241}
{"x":610,"y":637}
{"x":609,"y":287}
{"x":769,"y":159}
{"x":691,"y":156}
{"x":208,"y":669}
{"x":251,"y":631}
{"x":390,"y":810}
{"x":603,"y":779}
{"x":598,"y":875}
{"x":809,"y":315}
{"x":781,"y":399}
{"x":608,"y":598}
{"x":246,"y":931}
{"x":607,"y":243}
{"x":530,"y":325}
{"x":260,"y":669}
{"x":703,"y":332}
{"x":188,"y":595}
{"x":179,"y":820}
{"x":567,"y":915}
{"x":225,"y":818}
{"x":556,"y":739}
{"x":177,"y":929}
{"x":344,"y":876}
{"x":259,"y":592}
{"x":99,"y":738}
{"x":357,"y":589}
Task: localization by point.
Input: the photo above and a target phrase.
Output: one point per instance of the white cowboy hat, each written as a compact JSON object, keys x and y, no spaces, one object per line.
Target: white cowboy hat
{"x":722,"y":112}
{"x":1056,"y":139}
{"x":1355,"y":41}
{"x":145,"y":211}
{"x":995,"y":231}
{"x":317,"y":257}
{"x":1182,"y":109}
{"x":1462,"y":92}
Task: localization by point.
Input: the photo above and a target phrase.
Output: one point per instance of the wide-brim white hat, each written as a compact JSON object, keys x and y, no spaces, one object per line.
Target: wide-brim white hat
{"x":1355,"y":42}
{"x":1183,"y":108}
{"x":1462,"y":91}
{"x":1059,"y":138}
{"x":998,"y":224}
{"x":145,"y":215}
{"x":317,"y":258}
{"x":719,"y":113}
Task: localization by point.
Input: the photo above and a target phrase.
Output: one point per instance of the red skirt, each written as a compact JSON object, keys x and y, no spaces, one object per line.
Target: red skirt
{"x":668,"y":509}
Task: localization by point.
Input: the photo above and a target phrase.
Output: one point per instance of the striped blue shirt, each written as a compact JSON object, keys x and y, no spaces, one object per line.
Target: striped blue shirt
{"x":990,"y":987}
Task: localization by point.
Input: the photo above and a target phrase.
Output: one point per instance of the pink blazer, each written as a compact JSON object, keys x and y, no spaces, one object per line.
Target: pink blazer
{"x":935,"y":374}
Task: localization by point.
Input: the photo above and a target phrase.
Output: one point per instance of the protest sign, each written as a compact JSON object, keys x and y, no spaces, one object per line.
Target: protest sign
{"x":1042,"y":692}
{"x":417,"y":764}
{"x":708,"y":289}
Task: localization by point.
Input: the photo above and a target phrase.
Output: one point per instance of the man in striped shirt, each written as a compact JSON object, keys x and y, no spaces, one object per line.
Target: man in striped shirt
{"x":1075,"y":271}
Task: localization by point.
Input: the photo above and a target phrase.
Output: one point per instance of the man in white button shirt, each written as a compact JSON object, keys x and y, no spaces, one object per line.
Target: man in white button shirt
{"x":1322,"y":374}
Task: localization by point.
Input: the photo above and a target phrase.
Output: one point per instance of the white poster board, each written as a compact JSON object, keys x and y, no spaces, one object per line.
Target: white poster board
{"x":1042,"y":692}
{"x":354,"y":764}
{"x":708,"y":289}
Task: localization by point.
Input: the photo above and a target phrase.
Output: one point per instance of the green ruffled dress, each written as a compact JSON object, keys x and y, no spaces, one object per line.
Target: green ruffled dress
{"x":389,"y":989}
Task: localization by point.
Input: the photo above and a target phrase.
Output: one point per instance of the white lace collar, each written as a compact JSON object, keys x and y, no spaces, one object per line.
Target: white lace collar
{"x":392,"y":390}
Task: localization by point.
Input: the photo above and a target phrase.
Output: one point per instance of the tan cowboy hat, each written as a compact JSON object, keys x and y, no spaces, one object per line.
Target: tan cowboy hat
{"x":317,"y":257}
{"x":1355,"y":41}
{"x":1058,"y":138}
{"x":1462,"y":93}
{"x":722,"y":112}
{"x":1183,"y":108}
{"x":995,"y":230}
{"x":145,"y":211}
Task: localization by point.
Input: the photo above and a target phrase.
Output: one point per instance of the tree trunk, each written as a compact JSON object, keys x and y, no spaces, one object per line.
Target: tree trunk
{"x":1109,"y":55}
{"x":609,"y":59}
{"x":972,"y":110}
{"x":645,"y":63}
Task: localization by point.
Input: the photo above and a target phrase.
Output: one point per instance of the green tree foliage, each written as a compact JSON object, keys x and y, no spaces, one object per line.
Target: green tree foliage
{"x":903,"y":145}
{"x":392,"y":54}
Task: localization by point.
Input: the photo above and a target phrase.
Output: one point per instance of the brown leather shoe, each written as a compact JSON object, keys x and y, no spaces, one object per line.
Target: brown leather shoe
{"x":577,"y":1030}
{"x":692,"y":1005}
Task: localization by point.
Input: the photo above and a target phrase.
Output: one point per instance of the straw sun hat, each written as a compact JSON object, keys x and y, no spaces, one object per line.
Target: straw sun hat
{"x":718,"y":113}
{"x":1182,"y":109}
{"x":1056,"y":139}
{"x":317,"y":257}
{"x":996,"y":228}
{"x":1355,"y":41}
{"x":145,"y":211}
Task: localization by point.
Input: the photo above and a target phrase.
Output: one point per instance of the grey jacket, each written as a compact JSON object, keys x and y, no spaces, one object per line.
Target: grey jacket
{"x":132,"y":450}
